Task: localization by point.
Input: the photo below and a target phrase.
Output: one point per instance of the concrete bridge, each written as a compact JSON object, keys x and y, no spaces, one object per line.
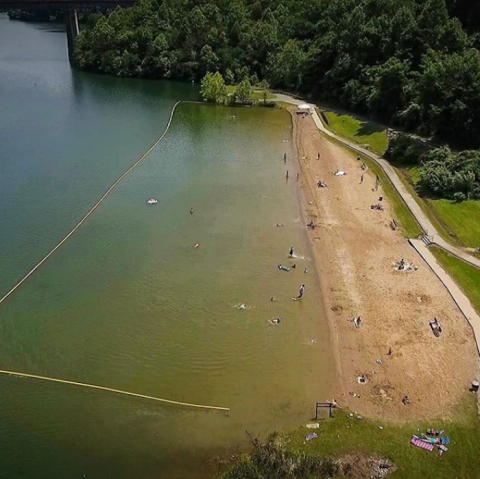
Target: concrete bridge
{"x":69,"y":7}
{"x":61,"y":4}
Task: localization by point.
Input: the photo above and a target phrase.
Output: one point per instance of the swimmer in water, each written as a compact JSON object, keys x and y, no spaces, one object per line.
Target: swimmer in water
{"x":191,"y":211}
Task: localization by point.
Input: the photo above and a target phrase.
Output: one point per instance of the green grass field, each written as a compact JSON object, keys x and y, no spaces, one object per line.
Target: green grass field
{"x":361,"y":132}
{"x":256,"y":94}
{"x":346,"y":435}
{"x":461,"y":220}
{"x":342,"y":435}
{"x":466,"y":276}
{"x":458,"y":223}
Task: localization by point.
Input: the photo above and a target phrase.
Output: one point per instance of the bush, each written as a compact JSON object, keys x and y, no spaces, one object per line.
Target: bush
{"x":452,"y":175}
{"x":405,"y":149}
{"x":445,"y":173}
{"x":274,"y":460}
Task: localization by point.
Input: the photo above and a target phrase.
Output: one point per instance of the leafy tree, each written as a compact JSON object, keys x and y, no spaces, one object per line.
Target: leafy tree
{"x":408,"y":62}
{"x":287,"y":66}
{"x":449,"y":95}
{"x":208,"y":59}
{"x":229,"y":77}
{"x":390,"y":87}
{"x":244,"y":91}
{"x":213,"y":88}
{"x":265,"y":87}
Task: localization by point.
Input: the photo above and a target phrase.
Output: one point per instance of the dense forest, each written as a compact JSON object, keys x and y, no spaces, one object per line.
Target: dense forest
{"x":408,"y":63}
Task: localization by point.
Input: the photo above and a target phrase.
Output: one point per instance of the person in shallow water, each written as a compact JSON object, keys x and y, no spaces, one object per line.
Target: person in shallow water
{"x":301,"y":291}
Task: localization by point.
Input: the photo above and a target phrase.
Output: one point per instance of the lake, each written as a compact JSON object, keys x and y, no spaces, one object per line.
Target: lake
{"x":129,"y":302}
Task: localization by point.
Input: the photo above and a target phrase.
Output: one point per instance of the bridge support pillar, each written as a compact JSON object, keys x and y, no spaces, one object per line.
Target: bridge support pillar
{"x":71,"y":27}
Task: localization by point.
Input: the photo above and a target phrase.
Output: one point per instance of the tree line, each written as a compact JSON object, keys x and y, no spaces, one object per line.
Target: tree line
{"x":445,"y":173}
{"x":408,"y":63}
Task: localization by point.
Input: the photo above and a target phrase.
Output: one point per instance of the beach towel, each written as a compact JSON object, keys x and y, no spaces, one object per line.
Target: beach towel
{"x":282,"y":267}
{"x":421,"y":444}
{"x":311,"y":436}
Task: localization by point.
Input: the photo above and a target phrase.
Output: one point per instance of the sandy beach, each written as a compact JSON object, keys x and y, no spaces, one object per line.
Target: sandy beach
{"x":355,"y":249}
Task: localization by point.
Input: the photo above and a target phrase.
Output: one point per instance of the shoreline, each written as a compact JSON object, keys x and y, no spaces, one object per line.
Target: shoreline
{"x":304,"y":192}
{"x":356,"y":278}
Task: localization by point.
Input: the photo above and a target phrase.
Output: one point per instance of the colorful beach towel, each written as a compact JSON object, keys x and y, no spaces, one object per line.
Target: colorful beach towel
{"x":422,"y":444}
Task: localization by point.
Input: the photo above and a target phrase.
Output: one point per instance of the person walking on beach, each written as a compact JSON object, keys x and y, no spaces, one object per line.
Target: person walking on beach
{"x":286,"y":176}
{"x":290,"y":253}
{"x":377,"y":182}
{"x":284,"y":157}
{"x":318,"y":156}
{"x":298,"y":176}
{"x":361,"y":179}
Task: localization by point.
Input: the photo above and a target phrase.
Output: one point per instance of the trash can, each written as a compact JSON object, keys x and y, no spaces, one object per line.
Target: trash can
{"x":475,"y":386}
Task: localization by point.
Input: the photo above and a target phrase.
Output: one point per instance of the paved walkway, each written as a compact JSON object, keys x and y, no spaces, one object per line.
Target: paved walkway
{"x":460,"y":299}
{"x":409,"y":200}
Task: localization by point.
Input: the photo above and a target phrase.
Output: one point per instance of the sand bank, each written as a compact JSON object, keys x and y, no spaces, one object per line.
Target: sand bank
{"x":355,"y":248}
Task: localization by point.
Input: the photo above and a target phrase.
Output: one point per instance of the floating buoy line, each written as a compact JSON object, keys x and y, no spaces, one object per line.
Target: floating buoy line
{"x":97,"y":204}
{"x":112,"y":390}
{"x":59,"y":244}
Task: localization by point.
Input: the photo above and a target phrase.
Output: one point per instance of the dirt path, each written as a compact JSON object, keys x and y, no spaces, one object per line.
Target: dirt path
{"x":355,"y":248}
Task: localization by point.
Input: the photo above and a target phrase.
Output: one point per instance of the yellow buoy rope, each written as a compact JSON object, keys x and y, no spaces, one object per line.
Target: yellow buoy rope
{"x":96,"y":205}
{"x":117,"y":391}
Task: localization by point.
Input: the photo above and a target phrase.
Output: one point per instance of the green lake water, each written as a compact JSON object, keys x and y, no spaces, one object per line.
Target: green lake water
{"x":129,"y":302}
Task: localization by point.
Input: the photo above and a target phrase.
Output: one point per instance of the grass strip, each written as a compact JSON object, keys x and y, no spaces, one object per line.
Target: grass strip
{"x":467,"y":277}
{"x":366,"y":133}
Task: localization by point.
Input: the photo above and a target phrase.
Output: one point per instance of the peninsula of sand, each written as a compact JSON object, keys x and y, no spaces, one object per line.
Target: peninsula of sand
{"x":392,"y":352}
